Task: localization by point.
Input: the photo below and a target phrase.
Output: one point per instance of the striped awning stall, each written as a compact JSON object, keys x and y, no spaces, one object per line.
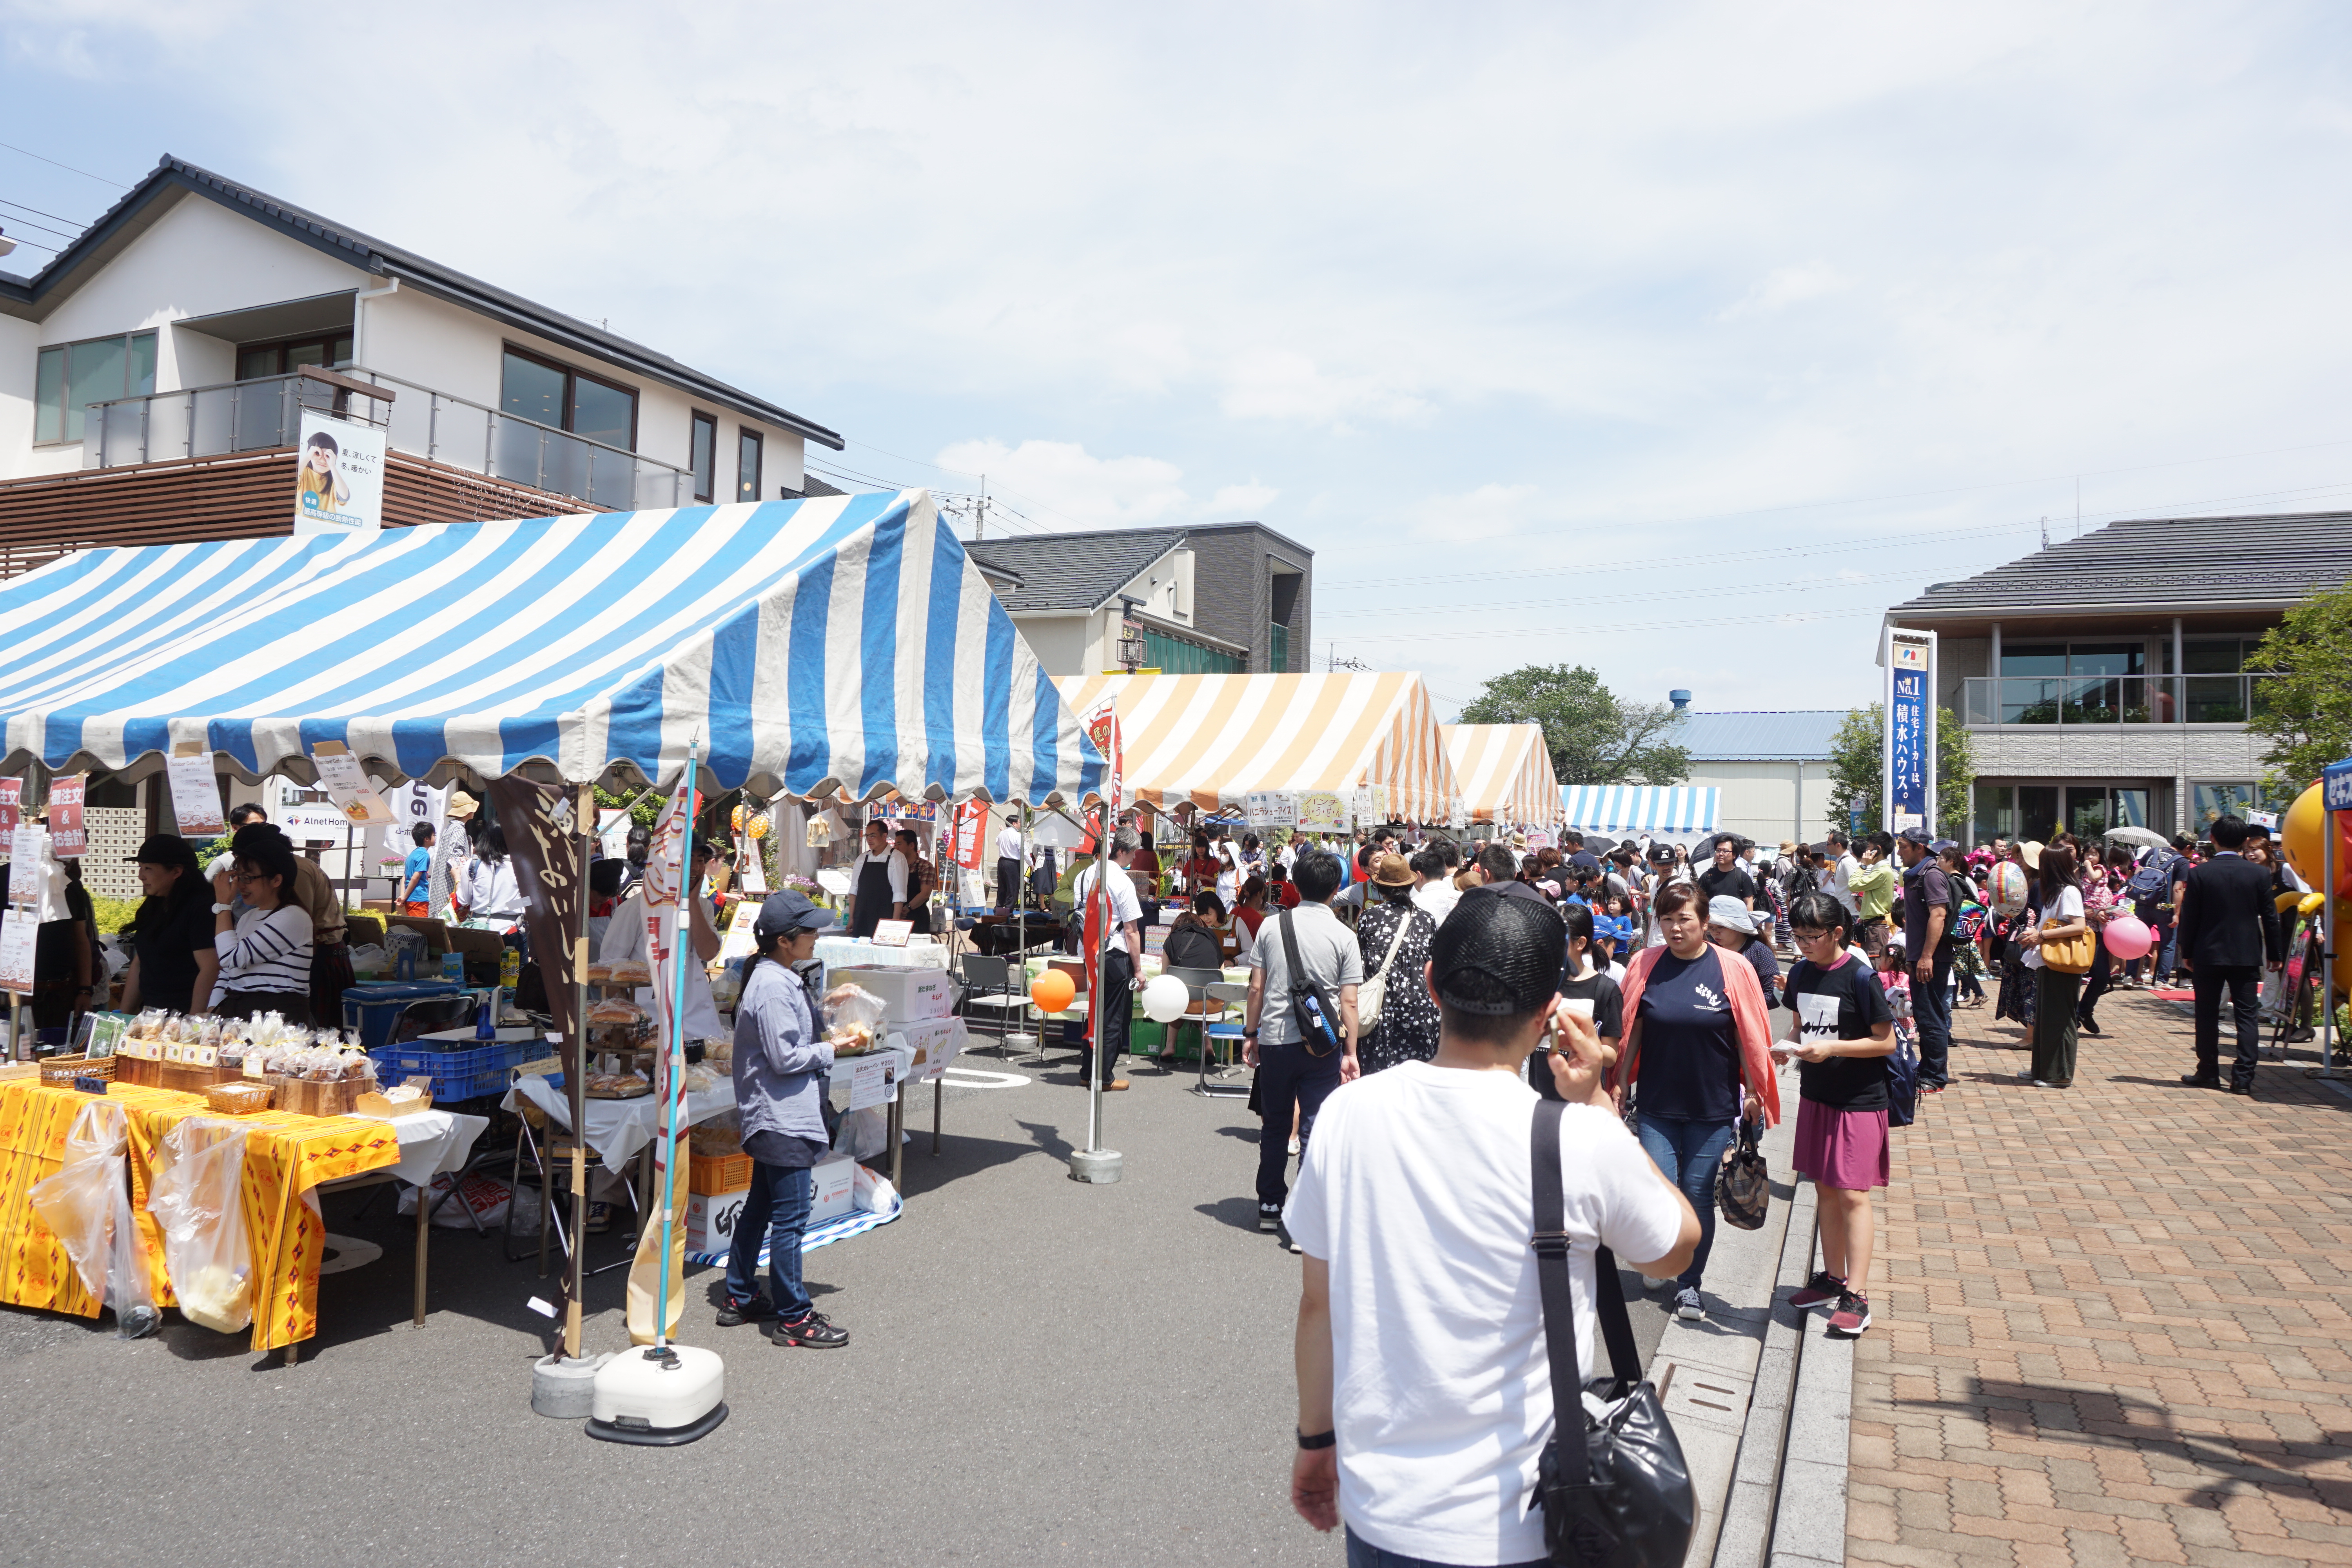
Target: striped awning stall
{"x":1214,"y":738}
{"x":1640,"y":808}
{"x":844,"y":642}
{"x":1505,"y":773}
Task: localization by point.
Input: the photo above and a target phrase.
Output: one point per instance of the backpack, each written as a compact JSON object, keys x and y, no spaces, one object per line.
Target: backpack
{"x":1902,"y":1079}
{"x":2148,"y":881}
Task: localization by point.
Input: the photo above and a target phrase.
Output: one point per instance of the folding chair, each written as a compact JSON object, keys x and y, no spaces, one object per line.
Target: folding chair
{"x":988,"y":987}
{"x":549,"y":1150}
{"x":1231,"y":997}
{"x":1198,"y":1009}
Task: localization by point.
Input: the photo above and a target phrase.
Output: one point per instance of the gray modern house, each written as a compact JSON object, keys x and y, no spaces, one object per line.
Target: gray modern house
{"x":1226,"y":598}
{"x":2106,"y":680}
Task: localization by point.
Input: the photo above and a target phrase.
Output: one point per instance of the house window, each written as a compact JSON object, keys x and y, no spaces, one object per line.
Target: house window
{"x":1174,"y":655}
{"x":330,"y":352}
{"x":561,"y":398}
{"x":69,"y":377}
{"x":702,"y":457}
{"x":747,"y":465}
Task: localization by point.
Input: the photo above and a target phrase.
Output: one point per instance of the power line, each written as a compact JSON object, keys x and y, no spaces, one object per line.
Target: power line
{"x":43,"y":227}
{"x":1798,"y":584}
{"x":68,"y":168}
{"x":1580,"y":627}
{"x":37,"y":245}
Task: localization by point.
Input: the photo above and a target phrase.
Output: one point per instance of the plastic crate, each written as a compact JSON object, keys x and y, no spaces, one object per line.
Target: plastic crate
{"x":372,"y":1010}
{"x":473,"y":1072}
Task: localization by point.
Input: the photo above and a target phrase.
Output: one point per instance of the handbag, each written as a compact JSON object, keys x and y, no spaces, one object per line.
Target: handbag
{"x":1743,"y":1183}
{"x":2073,"y":954}
{"x":1311,"y":1007}
{"x":1615,"y":1492}
{"x":1375,"y":987}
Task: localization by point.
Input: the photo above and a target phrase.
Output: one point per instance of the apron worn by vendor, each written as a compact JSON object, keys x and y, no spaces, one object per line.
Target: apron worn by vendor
{"x":875,"y":896}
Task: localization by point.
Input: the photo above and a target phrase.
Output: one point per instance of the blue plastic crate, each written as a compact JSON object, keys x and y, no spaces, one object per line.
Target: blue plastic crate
{"x":472,"y":1072}
{"x":373,"y":1008}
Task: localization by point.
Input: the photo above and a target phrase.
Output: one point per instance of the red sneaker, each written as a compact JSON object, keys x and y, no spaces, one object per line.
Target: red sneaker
{"x":1853,"y":1313}
{"x":1823,"y":1287}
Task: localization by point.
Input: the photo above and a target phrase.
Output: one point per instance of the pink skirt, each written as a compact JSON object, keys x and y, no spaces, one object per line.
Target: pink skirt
{"x":1843,"y":1148}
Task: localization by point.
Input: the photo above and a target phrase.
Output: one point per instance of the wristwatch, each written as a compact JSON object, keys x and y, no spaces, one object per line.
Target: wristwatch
{"x":222,"y":909}
{"x":1320,"y":1439}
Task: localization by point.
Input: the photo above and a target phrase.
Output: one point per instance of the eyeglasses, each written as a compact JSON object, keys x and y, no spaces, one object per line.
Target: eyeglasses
{"x":242,"y":878}
{"x":1802,"y":935}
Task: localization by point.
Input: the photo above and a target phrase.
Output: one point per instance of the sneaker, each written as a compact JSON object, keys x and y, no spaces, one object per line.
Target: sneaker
{"x":1687,"y":1306}
{"x":600,"y":1218}
{"x":1659,"y":1287}
{"x":2045,"y":1083}
{"x":1114,"y":1086}
{"x":812,"y":1333}
{"x":1852,"y":1314}
{"x":1289,"y":1243}
{"x":1823,"y":1287}
{"x":734,"y":1313}
{"x":1269,"y":1216}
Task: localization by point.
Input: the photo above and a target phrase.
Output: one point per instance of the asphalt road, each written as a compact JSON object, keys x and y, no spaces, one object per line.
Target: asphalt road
{"x":1040,"y":1372}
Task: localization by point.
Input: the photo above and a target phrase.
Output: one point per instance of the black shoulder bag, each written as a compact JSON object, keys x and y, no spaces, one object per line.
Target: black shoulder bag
{"x":1313,"y":1007}
{"x":1620,"y":1497}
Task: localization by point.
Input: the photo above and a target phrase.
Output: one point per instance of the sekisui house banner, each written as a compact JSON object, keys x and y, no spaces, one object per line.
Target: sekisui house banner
{"x":339,"y":487}
{"x":1908,"y":797}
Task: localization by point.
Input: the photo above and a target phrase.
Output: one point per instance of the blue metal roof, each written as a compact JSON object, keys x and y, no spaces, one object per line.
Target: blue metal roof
{"x":1789,"y":736}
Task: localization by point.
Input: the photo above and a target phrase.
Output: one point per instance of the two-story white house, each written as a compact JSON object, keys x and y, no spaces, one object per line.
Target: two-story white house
{"x":151,"y":378}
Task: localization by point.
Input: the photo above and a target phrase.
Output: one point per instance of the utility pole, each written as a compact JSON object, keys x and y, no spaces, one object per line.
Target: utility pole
{"x":980,"y":518}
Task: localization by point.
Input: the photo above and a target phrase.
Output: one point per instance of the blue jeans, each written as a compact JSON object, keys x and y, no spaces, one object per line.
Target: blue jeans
{"x":776,"y":1209}
{"x":1931,"y":1007}
{"x":1688,"y":1152}
{"x":1362,"y":1554}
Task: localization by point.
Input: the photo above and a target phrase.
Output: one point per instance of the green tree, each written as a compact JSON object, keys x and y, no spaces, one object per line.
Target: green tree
{"x":1857,"y":757}
{"x":1594,"y":737}
{"x":2305,"y":709}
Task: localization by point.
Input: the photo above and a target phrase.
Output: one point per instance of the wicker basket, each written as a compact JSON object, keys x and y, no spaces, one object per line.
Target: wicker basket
{"x":241,"y":1099}
{"x":62,"y":1070}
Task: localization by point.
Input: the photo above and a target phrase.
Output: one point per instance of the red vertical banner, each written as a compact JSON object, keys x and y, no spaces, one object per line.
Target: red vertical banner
{"x":66,"y":836}
{"x":971,"y":830}
{"x":12,"y":809}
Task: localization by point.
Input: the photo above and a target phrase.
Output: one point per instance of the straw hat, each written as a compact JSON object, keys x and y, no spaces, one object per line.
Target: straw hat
{"x":1518,"y":841}
{"x":2031,"y":853}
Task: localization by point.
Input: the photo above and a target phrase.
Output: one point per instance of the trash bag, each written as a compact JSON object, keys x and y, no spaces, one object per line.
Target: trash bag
{"x":198,"y":1199}
{"x":486,"y":1196}
{"x":87,"y":1205}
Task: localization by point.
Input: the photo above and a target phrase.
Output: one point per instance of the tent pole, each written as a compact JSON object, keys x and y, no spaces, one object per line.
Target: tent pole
{"x":674,"y":1048}
{"x":577,"y":1078}
{"x":1096,"y":1002}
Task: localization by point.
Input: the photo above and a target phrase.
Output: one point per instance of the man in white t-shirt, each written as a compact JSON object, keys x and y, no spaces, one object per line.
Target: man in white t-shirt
{"x":1008,"y":865}
{"x":1837,"y":881}
{"x":1424,"y":1392}
{"x":1122,"y":952}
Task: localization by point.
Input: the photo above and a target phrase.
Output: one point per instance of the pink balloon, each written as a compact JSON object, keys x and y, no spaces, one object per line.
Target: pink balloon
{"x":2128,"y":937}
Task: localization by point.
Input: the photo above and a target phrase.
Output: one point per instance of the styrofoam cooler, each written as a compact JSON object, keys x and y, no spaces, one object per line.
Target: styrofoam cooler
{"x":910,"y":995}
{"x":710,"y":1219}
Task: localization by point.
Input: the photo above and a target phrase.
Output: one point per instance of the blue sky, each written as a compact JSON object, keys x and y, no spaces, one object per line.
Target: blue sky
{"x":1675,"y":340}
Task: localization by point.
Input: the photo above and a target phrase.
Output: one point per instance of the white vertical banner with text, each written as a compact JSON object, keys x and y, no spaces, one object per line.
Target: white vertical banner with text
{"x":664,"y":889}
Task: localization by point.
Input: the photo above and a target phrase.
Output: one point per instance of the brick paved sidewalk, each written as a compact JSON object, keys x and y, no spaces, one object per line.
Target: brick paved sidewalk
{"x":2112,"y":1320}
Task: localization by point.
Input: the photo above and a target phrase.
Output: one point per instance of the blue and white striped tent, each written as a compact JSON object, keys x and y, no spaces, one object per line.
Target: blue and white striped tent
{"x":841,"y":643}
{"x":1640,"y":808}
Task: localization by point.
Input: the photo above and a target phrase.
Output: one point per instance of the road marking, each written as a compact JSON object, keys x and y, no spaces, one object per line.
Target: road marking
{"x":973,"y":1077}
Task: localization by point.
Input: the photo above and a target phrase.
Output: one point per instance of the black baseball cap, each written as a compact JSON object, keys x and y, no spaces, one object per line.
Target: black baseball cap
{"x":1918,"y":835}
{"x":1499,"y":953}
{"x":785,"y":914}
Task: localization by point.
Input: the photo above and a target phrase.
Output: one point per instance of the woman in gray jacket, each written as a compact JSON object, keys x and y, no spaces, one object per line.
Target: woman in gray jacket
{"x":782,"y":1063}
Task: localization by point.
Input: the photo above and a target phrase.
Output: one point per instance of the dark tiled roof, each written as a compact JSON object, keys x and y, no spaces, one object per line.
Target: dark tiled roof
{"x":2263,"y":562}
{"x":357,"y":250}
{"x":1072,"y":570}
{"x":1792,"y":735}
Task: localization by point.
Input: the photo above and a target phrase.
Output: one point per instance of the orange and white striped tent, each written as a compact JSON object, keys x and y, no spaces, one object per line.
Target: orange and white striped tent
{"x":1214,"y":738}
{"x":1505,"y":773}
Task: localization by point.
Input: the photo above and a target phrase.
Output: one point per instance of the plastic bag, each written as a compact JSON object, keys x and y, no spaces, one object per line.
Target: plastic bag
{"x":486,"y":1196}
{"x":854,"y":1017}
{"x":872,"y":1190}
{"x":87,"y":1205}
{"x":198,"y":1199}
{"x":862,"y":1133}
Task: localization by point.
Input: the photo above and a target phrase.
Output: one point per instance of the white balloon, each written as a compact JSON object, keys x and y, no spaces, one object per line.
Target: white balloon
{"x":1165,"y":999}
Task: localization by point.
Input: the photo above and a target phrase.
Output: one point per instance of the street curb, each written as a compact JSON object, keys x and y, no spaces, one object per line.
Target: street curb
{"x":1809,"y":1515}
{"x":1711,"y":1366}
{"x":1746,"y":1536}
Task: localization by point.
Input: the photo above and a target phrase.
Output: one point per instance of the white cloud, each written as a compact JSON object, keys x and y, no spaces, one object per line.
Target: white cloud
{"x":1490,"y":512}
{"x":1787,"y":285}
{"x":1275,"y":384}
{"x":1239,"y":502}
{"x":1069,"y":487}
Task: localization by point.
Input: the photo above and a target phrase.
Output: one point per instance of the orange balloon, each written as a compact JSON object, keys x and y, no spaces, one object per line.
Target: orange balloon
{"x":2303,"y":834}
{"x":1052,"y":991}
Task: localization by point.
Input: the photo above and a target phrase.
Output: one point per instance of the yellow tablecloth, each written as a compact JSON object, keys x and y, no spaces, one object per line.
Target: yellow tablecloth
{"x":285,"y":1156}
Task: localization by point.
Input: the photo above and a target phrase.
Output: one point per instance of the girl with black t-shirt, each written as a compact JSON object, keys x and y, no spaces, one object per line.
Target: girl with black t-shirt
{"x":1839,"y":1035}
{"x":1582,"y":980}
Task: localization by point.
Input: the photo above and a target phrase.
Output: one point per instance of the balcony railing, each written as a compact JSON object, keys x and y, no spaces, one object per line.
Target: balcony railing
{"x":265,"y":413}
{"x":2112,"y":699}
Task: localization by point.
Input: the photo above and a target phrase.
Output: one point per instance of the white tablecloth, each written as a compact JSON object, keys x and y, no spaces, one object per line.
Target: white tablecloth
{"x":617,"y":1129}
{"x":433,"y":1143}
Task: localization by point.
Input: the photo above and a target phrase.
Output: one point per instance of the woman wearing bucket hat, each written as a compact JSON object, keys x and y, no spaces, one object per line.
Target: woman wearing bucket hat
{"x":1731,"y":925}
{"x":1393,"y":936}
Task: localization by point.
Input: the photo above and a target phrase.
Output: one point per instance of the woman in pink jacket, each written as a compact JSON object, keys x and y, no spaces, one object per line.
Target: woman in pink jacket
{"x":1697,"y":1057}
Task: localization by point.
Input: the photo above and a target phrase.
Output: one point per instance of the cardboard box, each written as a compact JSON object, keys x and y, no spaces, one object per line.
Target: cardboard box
{"x":833,"y":1189}
{"x":911,"y":995}
{"x":710,"y":1220}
